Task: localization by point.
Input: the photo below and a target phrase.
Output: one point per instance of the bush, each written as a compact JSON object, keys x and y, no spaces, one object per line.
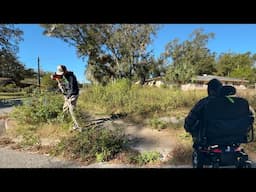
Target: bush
{"x":182,"y":153}
{"x":12,"y":88}
{"x":92,"y":144}
{"x":29,"y":139}
{"x":30,"y":89}
{"x":157,"y":124}
{"x":145,"y":158}
{"x":40,"y":109}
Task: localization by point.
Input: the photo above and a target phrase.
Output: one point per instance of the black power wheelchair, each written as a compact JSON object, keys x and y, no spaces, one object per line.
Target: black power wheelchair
{"x":226,"y":125}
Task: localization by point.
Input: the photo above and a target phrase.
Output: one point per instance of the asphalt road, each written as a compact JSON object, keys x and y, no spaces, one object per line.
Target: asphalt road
{"x":19,"y":159}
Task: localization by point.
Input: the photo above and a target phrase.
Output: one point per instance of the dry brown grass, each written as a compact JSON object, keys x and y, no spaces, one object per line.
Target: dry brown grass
{"x":49,"y":135}
{"x":181,"y":154}
{"x":5,"y":141}
{"x":246,"y":93}
{"x":180,"y":112}
{"x":182,"y":150}
{"x":52,"y":131}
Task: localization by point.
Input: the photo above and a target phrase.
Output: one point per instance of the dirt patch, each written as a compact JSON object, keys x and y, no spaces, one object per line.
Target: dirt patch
{"x":143,"y":138}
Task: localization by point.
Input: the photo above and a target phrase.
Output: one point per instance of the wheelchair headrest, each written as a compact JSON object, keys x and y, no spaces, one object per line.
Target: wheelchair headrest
{"x":227,"y":90}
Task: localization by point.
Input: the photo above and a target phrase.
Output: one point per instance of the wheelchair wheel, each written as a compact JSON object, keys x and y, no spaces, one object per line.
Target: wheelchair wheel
{"x":197,"y":160}
{"x":247,"y":164}
{"x":244,"y":164}
{"x":215,"y":165}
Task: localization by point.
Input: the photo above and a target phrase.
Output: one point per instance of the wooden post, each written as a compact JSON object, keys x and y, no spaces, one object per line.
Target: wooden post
{"x":38,"y":76}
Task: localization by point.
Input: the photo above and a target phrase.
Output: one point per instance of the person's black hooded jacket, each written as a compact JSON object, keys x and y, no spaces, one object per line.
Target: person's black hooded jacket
{"x":72,"y":84}
{"x":191,"y":124}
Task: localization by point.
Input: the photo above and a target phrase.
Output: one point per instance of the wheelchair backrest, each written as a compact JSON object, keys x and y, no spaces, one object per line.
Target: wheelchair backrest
{"x":226,"y":121}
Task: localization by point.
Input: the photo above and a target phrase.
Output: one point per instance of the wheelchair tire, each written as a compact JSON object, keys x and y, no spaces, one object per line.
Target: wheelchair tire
{"x":197,"y":160}
{"x":247,"y":164}
{"x":215,"y":165}
{"x":244,"y":164}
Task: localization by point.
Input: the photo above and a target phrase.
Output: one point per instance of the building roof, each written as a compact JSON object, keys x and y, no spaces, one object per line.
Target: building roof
{"x":159,"y":78}
{"x":206,"y":78}
{"x":5,"y":78}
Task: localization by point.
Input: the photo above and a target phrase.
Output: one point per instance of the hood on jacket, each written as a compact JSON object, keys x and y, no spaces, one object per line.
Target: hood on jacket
{"x":214,"y":87}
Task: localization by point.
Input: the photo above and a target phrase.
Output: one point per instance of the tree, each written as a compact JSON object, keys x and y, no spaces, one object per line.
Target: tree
{"x":236,"y":65}
{"x":157,"y":67}
{"x":113,"y":50}
{"x":180,"y":74}
{"x":10,"y":66}
{"x":225,"y":64}
{"x":191,"y":57}
{"x":9,"y":38}
{"x":29,"y":73}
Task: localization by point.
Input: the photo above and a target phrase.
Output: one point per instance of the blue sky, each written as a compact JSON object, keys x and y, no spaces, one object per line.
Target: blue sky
{"x":237,"y":38}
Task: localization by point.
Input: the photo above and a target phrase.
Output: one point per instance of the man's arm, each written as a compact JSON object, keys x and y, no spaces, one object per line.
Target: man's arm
{"x":194,"y":116}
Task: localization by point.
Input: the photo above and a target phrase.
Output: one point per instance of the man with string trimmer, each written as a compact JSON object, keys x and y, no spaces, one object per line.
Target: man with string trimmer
{"x":70,"y":90}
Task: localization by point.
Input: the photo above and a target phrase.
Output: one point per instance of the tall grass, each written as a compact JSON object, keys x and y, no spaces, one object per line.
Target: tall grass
{"x":122,"y":96}
{"x":250,"y":95}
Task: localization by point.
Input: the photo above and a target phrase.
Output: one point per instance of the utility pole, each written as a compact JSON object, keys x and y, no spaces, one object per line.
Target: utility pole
{"x":38,"y":76}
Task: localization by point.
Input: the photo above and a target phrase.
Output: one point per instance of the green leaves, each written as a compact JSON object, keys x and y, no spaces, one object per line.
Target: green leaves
{"x":10,"y":66}
{"x":189,"y":58}
{"x":93,"y":144}
{"x":10,"y":36}
{"x":113,"y":50}
{"x":39,"y":109}
{"x":236,"y":65}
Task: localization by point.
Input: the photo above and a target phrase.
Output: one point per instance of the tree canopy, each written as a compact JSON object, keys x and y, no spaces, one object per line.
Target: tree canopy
{"x":239,"y":65}
{"x":189,"y":58}
{"x":10,"y":36}
{"x":10,"y":66}
{"x":113,"y":50}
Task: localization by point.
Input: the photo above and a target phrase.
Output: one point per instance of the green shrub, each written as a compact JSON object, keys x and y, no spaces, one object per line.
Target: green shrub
{"x":29,"y":139}
{"x":92,"y":144}
{"x":39,"y":109}
{"x":157,"y":124}
{"x":145,"y":157}
{"x":12,"y":88}
{"x":30,"y":89}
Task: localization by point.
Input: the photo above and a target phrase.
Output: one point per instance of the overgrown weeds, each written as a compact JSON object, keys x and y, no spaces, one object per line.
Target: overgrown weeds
{"x":123,"y":97}
{"x":182,"y":154}
{"x":144,"y":157}
{"x":92,"y":144}
{"x":40,"y":109}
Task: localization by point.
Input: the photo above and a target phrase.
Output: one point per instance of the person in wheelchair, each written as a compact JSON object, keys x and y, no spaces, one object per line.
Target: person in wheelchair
{"x":219,"y":123}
